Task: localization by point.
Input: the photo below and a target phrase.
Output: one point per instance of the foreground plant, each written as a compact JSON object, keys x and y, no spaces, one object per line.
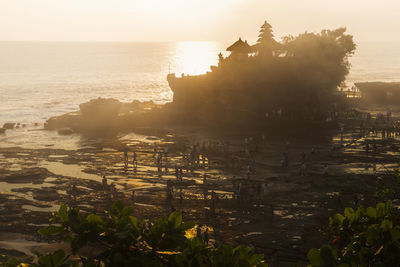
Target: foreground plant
{"x":119,"y":239}
{"x":362,"y":237}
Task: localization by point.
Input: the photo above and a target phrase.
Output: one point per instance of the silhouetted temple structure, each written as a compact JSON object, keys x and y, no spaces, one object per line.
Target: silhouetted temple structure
{"x":270,"y":80}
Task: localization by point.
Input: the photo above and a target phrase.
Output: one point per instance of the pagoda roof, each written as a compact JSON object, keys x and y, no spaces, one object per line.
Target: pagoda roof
{"x":240,"y":47}
{"x":266,"y":25}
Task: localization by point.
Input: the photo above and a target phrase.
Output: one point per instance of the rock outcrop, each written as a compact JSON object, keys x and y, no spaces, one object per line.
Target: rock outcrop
{"x":9,"y":125}
{"x":107,"y":117}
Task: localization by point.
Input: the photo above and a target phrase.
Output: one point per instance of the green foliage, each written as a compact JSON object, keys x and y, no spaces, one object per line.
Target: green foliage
{"x":119,"y":239}
{"x":300,"y":76}
{"x":55,"y":259}
{"x":10,"y":262}
{"x":362,"y":237}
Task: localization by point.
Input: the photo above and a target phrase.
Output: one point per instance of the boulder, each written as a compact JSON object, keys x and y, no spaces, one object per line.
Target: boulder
{"x":99,"y":115}
{"x":9,"y":125}
{"x":30,"y":175}
{"x":100,"y":108}
{"x":65,"y":131}
{"x":2,"y":130}
{"x":70,"y":120}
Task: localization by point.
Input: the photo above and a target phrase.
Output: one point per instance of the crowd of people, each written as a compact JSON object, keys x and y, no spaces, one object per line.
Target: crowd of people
{"x":250,"y":187}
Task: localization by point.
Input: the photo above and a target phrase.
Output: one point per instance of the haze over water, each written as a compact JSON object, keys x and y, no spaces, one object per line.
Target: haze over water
{"x":42,"y":79}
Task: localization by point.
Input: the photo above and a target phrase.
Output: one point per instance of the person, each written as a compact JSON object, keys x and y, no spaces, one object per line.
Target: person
{"x":133,"y":198}
{"x":239,"y":191}
{"x":204,"y":178}
{"x":232,"y":162}
{"x":325,"y":171}
{"x":166,"y":159}
{"x":181,"y":174}
{"x":71,"y":192}
{"x":264,"y":192}
{"x":113,"y":190}
{"x":198,"y":231}
{"x":367,"y":148}
{"x":284,"y":161}
{"x":213,"y":201}
{"x":341,"y":134}
{"x":302,"y":157}
{"x":154,"y":149}
{"x":248,"y":172}
{"x":252,"y":165}
{"x":303,"y":169}
{"x":169,"y":190}
{"x":134,"y":160}
{"x":126,"y":157}
{"x":104,"y":182}
{"x":159,"y":163}
{"x":206,"y":236}
{"x":180,"y":199}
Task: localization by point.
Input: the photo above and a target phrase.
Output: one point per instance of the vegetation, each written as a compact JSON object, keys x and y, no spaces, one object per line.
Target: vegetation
{"x":362,"y":237}
{"x":120,"y":239}
{"x":299,"y":76}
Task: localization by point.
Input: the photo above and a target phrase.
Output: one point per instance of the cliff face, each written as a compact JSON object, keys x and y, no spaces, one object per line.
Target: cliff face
{"x":252,"y":90}
{"x":380,"y":92}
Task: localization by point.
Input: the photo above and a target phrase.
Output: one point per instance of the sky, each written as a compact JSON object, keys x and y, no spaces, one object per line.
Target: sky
{"x":193,"y":20}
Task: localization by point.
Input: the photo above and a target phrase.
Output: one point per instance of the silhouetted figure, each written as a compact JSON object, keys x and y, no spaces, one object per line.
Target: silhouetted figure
{"x":126,"y":157}
{"x":206,"y":236}
{"x":133,"y":197}
{"x":325,"y":170}
{"x":134,"y":160}
{"x":303,"y":169}
{"x":169,"y":190}
{"x":198,"y":232}
{"x":154,"y":149}
{"x":104,"y":182}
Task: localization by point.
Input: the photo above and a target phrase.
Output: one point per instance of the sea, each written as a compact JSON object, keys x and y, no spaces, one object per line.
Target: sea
{"x":39,"y":80}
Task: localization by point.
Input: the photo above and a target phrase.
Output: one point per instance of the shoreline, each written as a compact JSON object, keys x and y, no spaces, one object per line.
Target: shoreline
{"x":292,"y":227}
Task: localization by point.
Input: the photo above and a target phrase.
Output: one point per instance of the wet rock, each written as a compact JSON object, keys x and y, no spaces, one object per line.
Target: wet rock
{"x":108,"y":117}
{"x":70,"y":120}
{"x":12,"y":252}
{"x":46,"y":194}
{"x":26,"y":175}
{"x":9,"y":125}
{"x":65,"y":131}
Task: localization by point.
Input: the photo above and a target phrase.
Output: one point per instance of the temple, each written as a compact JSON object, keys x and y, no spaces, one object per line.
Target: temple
{"x":255,"y":81}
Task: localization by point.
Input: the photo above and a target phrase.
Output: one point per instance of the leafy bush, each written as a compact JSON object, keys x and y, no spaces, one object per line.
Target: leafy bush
{"x":119,"y":239}
{"x":362,"y":237}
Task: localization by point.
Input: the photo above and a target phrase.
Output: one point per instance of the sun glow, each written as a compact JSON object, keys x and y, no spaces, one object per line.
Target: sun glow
{"x":196,"y":57}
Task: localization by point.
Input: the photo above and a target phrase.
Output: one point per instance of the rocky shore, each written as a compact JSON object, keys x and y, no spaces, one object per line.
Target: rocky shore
{"x":34,"y":182}
{"x":108,"y":117}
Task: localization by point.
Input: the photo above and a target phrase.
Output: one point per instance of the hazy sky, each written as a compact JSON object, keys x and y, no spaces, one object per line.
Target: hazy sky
{"x":192,"y":20}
